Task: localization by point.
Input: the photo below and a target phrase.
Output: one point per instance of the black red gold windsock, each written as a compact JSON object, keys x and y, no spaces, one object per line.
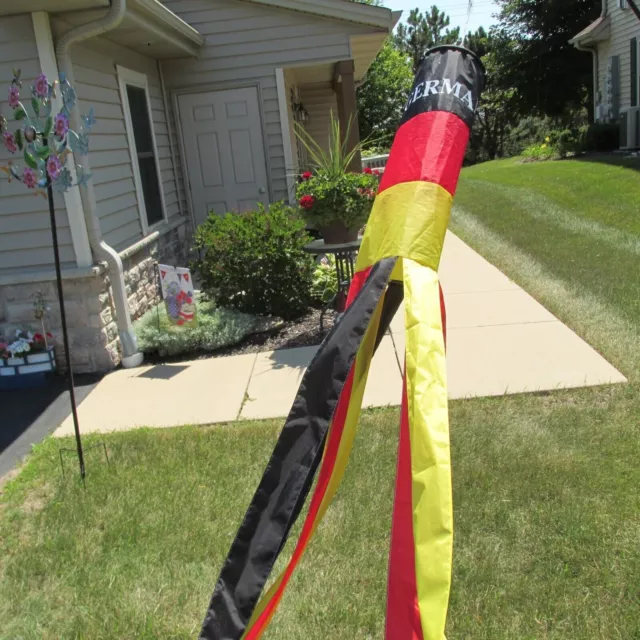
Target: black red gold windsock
{"x":399,"y":257}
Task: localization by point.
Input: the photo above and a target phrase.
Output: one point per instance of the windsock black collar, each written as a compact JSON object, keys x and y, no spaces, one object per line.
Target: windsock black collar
{"x":449,"y":79}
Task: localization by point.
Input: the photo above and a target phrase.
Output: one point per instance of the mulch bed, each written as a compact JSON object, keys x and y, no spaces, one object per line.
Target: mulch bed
{"x":304,"y":332}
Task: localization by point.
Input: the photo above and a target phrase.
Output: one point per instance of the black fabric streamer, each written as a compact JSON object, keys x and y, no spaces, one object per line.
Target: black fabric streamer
{"x":294,"y":462}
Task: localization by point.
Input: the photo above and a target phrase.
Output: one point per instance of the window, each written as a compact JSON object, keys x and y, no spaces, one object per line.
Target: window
{"x":633,"y":56}
{"x":623,"y":4}
{"x":134,"y":92}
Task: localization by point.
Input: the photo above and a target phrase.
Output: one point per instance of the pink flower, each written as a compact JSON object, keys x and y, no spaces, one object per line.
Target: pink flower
{"x":377,"y":172}
{"x":61,"y":125}
{"x":30,"y":178}
{"x":307,"y":175}
{"x":53,"y":167}
{"x":367,"y":170}
{"x":10,"y":141}
{"x":307,"y":202}
{"x":41,"y":86}
{"x":14,"y":96}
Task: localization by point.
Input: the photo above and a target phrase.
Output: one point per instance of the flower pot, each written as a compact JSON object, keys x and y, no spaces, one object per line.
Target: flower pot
{"x":28,"y":371}
{"x":338,"y":233}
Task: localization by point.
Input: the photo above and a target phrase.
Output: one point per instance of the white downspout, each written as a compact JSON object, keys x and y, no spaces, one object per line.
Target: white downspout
{"x":101,"y":250}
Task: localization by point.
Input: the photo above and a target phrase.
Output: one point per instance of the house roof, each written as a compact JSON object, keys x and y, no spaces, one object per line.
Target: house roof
{"x":344,"y":10}
{"x":598,"y":31}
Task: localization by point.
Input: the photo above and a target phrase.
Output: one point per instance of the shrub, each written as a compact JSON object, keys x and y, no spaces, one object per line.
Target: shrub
{"x":325,"y":282}
{"x":539,"y":152}
{"x":216,"y":328}
{"x":601,"y":136}
{"x":254,"y":262}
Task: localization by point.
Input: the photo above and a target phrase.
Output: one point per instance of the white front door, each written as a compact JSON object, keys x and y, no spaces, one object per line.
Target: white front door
{"x":226,"y":166}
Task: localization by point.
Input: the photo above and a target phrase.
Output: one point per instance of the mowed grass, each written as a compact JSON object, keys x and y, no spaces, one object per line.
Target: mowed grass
{"x":546,"y":486}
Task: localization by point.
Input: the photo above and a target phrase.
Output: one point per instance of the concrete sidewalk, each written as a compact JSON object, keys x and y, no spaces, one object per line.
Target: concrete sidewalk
{"x":500,"y":340}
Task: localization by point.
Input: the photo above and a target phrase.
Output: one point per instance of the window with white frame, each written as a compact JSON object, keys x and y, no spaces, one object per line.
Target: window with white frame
{"x":134,"y":92}
{"x":623,"y":4}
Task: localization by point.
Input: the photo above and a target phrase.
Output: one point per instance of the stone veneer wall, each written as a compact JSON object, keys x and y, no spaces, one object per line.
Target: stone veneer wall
{"x":91,"y":314}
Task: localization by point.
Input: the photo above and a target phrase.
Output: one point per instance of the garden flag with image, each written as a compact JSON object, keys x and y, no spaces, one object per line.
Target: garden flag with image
{"x":399,"y":259}
{"x":178,"y":295}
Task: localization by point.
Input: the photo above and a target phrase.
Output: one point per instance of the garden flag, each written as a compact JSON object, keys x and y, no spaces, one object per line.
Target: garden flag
{"x":178,"y":295}
{"x":399,"y":259}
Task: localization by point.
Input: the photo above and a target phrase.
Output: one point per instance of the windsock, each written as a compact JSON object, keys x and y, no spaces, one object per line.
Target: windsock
{"x":399,"y":258}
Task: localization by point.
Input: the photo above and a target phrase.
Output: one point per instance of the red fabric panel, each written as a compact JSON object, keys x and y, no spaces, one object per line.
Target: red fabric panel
{"x":403,"y":614}
{"x":429,"y":148}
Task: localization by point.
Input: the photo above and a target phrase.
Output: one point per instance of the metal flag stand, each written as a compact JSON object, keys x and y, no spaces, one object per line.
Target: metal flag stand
{"x":46,"y":142}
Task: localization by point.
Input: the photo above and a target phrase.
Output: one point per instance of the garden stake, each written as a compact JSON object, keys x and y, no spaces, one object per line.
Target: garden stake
{"x":399,"y":257}
{"x":46,"y":143}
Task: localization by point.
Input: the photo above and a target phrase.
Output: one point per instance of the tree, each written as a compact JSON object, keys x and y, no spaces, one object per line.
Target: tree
{"x":423,"y":31}
{"x":551,"y":76}
{"x":382,"y":97}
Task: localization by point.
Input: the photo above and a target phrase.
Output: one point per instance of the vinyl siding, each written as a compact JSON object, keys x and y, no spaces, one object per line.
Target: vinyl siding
{"x":25,"y":235}
{"x":96,"y":79}
{"x":319,"y":100}
{"x":624,"y":26}
{"x":244,"y":44}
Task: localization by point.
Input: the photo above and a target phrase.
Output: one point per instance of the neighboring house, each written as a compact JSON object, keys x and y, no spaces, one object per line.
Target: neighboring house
{"x":614,"y":41}
{"x":195,"y":103}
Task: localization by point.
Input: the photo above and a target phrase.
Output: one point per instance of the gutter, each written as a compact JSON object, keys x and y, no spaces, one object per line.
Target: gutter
{"x":131,"y":356}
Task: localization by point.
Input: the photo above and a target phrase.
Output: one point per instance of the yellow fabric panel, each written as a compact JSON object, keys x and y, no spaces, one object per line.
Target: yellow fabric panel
{"x":361,"y":373}
{"x":430,"y":451}
{"x":408,"y":220}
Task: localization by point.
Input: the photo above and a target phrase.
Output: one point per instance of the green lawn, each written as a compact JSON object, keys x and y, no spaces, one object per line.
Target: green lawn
{"x":546,"y":486}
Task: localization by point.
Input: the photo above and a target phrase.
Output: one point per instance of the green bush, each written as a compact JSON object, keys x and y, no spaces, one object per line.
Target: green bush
{"x":539,"y":152}
{"x":325,"y":283}
{"x":601,"y":136}
{"x":215,"y":328}
{"x":254,"y":262}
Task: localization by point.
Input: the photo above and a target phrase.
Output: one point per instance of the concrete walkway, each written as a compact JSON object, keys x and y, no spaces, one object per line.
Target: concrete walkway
{"x":500,"y":340}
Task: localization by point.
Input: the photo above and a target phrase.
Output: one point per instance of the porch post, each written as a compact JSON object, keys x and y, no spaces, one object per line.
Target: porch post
{"x":345,"y":87}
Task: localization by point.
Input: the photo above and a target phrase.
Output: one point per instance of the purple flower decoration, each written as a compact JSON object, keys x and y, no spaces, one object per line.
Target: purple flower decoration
{"x":30,"y":178}
{"x":61,"y":125}
{"x":10,"y":141}
{"x":14,"y":96}
{"x":41,"y":86}
{"x":53,"y":167}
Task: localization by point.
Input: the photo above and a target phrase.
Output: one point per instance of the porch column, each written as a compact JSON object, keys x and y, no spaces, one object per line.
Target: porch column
{"x":345,"y":88}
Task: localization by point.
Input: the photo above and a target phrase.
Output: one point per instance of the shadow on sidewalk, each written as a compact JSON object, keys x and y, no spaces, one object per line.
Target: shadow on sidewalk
{"x":30,"y":415}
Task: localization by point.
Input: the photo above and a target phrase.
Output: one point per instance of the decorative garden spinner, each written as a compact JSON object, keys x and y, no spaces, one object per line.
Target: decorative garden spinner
{"x":45,"y":141}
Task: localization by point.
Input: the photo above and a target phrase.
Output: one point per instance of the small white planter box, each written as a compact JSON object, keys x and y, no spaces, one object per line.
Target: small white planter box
{"x":26,"y":371}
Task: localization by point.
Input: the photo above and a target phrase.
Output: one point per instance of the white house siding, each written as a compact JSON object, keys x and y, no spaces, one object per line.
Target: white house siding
{"x":94,"y":65}
{"x":624,"y":26}
{"x":244,"y":44}
{"x":25,"y":236}
{"x":320,"y":101}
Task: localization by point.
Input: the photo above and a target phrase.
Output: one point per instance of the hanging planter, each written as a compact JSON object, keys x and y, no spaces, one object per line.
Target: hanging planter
{"x":25,"y":363}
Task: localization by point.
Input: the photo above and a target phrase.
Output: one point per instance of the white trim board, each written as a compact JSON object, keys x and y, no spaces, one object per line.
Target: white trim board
{"x":283,"y":102}
{"x":72,"y":200}
{"x":135,"y":79}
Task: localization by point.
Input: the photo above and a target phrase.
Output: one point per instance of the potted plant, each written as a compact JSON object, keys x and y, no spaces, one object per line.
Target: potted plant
{"x":25,"y":359}
{"x":332,"y":199}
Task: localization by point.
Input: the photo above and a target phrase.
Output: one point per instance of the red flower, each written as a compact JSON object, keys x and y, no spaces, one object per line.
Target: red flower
{"x":307,"y":202}
{"x":38,"y":337}
{"x":376,"y":172}
{"x":367,"y":170}
{"x":49,"y":335}
{"x":307,"y":175}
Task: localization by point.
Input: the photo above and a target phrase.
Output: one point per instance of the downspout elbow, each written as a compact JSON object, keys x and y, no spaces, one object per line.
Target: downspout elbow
{"x":131,"y":356}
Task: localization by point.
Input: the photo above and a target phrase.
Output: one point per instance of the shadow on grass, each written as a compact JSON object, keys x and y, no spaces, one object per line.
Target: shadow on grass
{"x":615,"y":159}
